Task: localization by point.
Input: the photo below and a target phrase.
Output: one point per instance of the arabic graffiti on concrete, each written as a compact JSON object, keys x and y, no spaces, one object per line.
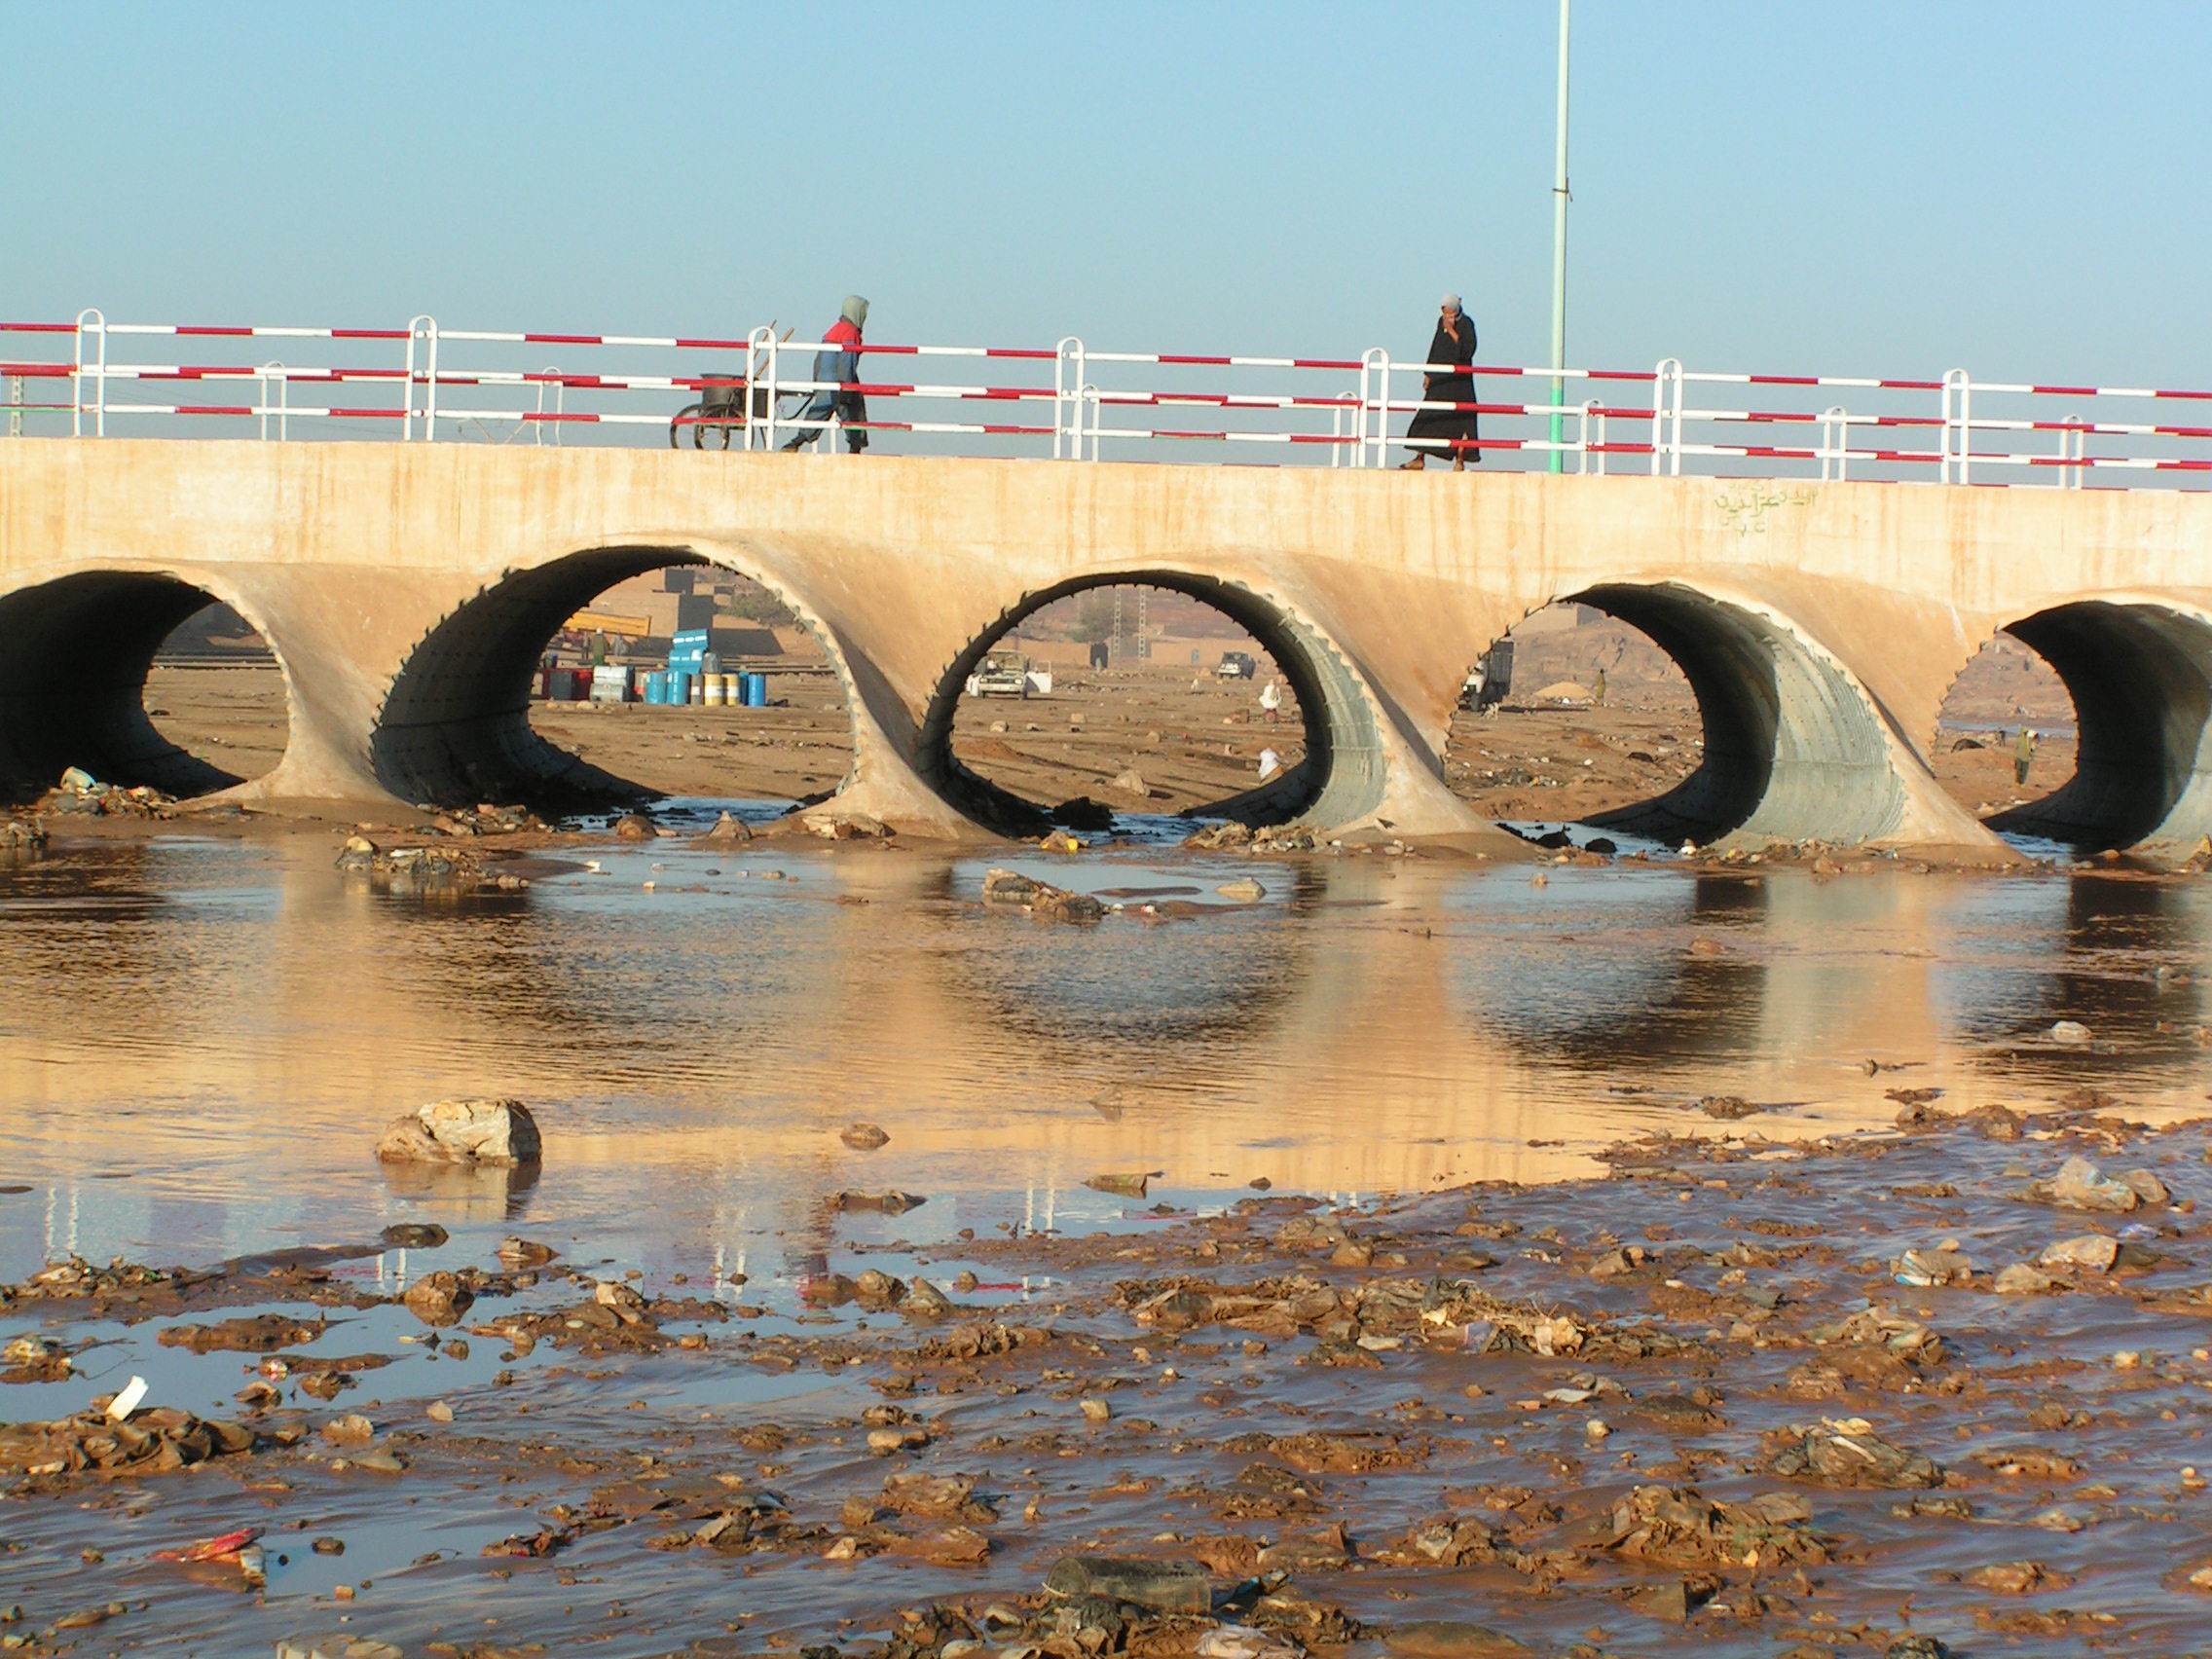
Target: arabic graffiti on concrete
{"x":1745,"y":507}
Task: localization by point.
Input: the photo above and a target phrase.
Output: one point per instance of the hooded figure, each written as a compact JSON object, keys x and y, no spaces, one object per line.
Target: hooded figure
{"x":1449,"y":431}
{"x":840,"y":363}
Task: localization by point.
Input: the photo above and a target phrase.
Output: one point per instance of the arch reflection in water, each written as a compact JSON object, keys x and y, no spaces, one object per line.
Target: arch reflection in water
{"x":2123,"y":956}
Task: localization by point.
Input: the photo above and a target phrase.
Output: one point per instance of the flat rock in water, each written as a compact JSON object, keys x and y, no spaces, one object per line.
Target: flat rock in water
{"x":1130,"y":1185}
{"x":886,"y":1204}
{"x":864,"y":1137}
{"x":462,"y":1131}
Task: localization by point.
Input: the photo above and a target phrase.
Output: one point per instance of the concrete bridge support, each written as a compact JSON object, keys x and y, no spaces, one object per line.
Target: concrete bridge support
{"x":407,"y":590}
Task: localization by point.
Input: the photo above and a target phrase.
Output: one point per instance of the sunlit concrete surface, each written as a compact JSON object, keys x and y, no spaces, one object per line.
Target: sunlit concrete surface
{"x":407,"y":590}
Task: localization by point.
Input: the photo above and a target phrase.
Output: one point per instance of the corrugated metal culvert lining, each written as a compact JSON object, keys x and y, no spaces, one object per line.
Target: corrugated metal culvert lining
{"x":1793,"y":750}
{"x":1339,"y":780}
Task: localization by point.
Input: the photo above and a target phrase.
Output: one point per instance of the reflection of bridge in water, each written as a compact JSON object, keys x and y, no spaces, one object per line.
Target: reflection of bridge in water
{"x":406,"y":588}
{"x":1386,"y":1027}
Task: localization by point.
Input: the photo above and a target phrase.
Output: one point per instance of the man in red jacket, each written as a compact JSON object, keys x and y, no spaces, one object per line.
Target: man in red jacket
{"x":843,"y":366}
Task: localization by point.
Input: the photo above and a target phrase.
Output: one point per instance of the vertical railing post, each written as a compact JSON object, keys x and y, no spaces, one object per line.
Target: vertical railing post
{"x":1590,"y":412}
{"x":1666,"y":386}
{"x":421,"y":343}
{"x":760,"y":433}
{"x":1835,"y":443}
{"x":1958,"y":427}
{"x":275,"y":371}
{"x":15,"y":406}
{"x":775,"y":367}
{"x":97,"y":368}
{"x":1375,"y":370}
{"x":1091,"y":399}
{"x":1067,"y":399}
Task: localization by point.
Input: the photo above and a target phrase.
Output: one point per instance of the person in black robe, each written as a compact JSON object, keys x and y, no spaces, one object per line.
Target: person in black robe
{"x":1444,"y":428}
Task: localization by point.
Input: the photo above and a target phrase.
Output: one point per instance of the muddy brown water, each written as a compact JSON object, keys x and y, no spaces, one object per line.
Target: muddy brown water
{"x":201,"y":1037}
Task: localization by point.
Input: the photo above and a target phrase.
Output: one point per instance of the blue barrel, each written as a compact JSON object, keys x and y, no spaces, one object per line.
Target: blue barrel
{"x":756,"y":690}
{"x":656,"y":688}
{"x":678,"y":687}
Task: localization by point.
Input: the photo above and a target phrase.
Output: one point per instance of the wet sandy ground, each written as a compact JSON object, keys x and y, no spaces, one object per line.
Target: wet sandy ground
{"x":1470,"y":1123}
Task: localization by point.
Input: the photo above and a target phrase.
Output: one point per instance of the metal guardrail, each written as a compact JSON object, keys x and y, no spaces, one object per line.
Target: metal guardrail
{"x":442,"y":384}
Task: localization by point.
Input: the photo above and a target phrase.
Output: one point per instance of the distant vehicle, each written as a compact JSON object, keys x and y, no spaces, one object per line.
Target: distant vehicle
{"x":1009,"y":674}
{"x":1492,"y":680}
{"x":1236,"y":665}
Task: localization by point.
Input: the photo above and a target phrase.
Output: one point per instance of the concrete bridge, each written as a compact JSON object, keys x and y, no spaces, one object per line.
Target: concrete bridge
{"x":407,"y":590}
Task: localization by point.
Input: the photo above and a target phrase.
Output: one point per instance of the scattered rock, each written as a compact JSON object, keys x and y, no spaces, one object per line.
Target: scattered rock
{"x":462,"y":1131}
{"x":634,"y":827}
{"x":1041,"y":899}
{"x":438,"y":1298}
{"x":1847,"y":1453}
{"x":1162,"y":1586}
{"x":2092,"y":1251}
{"x":847,"y":827}
{"x":864,"y":1137}
{"x":516,"y":1253}
{"x":261,"y":1333}
{"x":1124,"y":1186}
{"x":882,"y":1203}
{"x":2070,"y":1034}
{"x":728,"y":828}
{"x":1928,"y":1267}
{"x":2081,"y":1185}
{"x":1244,"y":890}
{"x":22,"y":836}
{"x":414,"y":1235}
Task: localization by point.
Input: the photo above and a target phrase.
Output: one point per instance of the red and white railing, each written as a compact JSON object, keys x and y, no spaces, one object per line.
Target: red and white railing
{"x":479,"y":385}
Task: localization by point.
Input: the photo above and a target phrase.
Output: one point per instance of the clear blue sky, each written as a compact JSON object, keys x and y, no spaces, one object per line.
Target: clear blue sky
{"x":2021,"y":188}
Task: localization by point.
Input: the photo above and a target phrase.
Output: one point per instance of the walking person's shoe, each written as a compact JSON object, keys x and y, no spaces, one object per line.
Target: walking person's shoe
{"x":1459,"y":464}
{"x":1413,"y":465}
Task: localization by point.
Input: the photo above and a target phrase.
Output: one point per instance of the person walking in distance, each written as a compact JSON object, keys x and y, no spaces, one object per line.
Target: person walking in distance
{"x":2024,"y":757}
{"x":1447,"y":430}
{"x":1271,"y":701}
{"x":842,"y":365}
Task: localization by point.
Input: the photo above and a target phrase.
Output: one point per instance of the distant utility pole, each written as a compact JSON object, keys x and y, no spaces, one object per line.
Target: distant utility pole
{"x":1558,"y":254}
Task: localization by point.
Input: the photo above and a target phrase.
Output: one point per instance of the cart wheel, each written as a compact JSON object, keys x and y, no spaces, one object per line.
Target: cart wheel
{"x":676,"y":427}
{"x":713,"y":434}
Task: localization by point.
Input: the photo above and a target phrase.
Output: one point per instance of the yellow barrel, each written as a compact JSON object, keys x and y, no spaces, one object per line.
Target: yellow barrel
{"x":713,"y":688}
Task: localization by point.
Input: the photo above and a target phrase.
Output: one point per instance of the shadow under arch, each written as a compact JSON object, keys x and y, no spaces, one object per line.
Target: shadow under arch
{"x":1340,"y":777}
{"x":2140,"y":675}
{"x":74,"y":695}
{"x":1793,"y":750}
{"x":454,"y":725}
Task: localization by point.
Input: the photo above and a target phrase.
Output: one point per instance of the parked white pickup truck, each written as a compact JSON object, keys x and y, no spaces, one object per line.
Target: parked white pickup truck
{"x":1009,"y":674}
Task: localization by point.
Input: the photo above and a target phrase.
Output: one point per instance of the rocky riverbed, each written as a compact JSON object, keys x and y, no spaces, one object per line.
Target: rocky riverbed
{"x":1940,"y":1389}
